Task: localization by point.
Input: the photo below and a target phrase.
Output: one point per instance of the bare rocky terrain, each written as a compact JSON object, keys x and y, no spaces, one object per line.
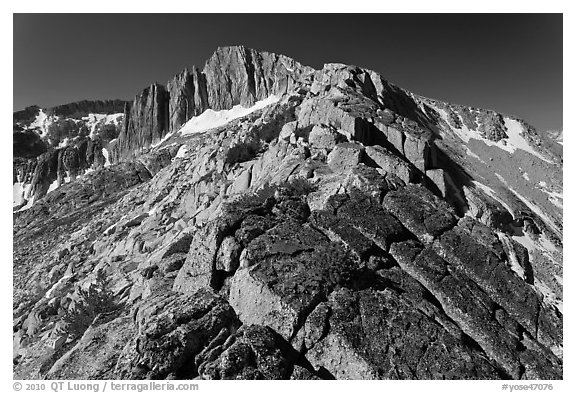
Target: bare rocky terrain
{"x":349,"y":229}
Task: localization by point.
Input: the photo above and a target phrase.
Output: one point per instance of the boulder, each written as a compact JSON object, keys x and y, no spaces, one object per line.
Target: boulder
{"x":250,"y":353}
{"x":390,"y":163}
{"x":424,"y":214}
{"x":345,"y":156}
{"x":228,"y":255}
{"x":288,"y":130}
{"x":198,"y":270}
{"x":171,"y":329}
{"x":324,"y":137}
{"x":436,"y":176}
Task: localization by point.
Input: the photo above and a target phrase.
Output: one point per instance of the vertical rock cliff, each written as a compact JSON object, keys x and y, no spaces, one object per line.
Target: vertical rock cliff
{"x":145,"y":120}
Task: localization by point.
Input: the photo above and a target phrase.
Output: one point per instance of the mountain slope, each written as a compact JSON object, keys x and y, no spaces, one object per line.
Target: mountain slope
{"x":53,"y":146}
{"x":336,"y":227}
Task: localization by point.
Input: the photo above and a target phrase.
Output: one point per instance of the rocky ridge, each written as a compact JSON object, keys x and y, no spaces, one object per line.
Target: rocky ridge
{"x":346,"y":231}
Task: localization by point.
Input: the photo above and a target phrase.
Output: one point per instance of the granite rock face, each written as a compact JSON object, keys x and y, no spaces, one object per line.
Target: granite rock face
{"x":242,"y":76}
{"x":145,"y":120}
{"x":188,"y":97}
{"x":251,"y":353}
{"x":341,"y":232}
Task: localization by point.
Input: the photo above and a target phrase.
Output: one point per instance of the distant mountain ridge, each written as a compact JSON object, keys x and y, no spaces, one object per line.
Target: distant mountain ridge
{"x":75,"y":109}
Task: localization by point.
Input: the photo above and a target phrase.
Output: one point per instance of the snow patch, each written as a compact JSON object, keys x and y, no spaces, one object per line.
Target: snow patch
{"x":64,"y":143}
{"x":210,"y":119}
{"x":67,"y":178}
{"x":28,"y":205}
{"x":182,"y":151}
{"x":166,"y":137}
{"x":48,"y":294}
{"x":547,"y":244}
{"x":526,"y":242}
{"x":515,"y":140}
{"x":106,"y":157}
{"x":53,"y":186}
{"x":109,"y":230}
{"x":41,"y":122}
{"x":19,"y":191}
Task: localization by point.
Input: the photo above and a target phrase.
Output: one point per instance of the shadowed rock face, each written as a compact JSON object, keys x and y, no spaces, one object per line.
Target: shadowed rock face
{"x":340,"y":232}
{"x":145,"y":120}
{"x":188,"y":97}
{"x":27,"y":144}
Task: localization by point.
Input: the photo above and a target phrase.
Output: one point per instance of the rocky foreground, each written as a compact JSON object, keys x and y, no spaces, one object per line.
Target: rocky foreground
{"x":350,"y":230}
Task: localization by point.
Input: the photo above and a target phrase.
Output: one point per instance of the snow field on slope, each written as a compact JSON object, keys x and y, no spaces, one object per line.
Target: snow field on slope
{"x":95,"y":119}
{"x":514,"y":129}
{"x":515,"y":139}
{"x":106,"y":157}
{"x":182,"y":151}
{"x":40,"y":122}
{"x":210,"y":119}
{"x":19,"y":192}
{"x":166,"y":137}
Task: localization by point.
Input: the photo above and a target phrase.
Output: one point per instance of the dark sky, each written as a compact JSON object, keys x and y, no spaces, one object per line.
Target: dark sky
{"x":511,"y":63}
